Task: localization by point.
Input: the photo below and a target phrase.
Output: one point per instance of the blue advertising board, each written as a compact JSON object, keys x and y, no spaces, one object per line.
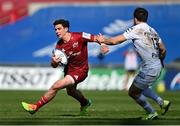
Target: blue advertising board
{"x":172,"y":79}
{"x":31,"y":40}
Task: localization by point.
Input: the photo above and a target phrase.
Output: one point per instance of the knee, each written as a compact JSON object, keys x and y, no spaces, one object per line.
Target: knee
{"x":55,"y":87}
{"x":133,"y":94}
{"x":69,"y":92}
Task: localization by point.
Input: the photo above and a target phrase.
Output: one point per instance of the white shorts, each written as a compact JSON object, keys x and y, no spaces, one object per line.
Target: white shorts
{"x":143,"y":80}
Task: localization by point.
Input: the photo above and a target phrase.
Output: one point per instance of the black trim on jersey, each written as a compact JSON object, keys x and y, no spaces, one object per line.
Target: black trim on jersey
{"x":129,"y":30}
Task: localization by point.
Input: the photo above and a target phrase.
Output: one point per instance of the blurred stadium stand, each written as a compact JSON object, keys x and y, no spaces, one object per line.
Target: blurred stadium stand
{"x":12,"y":10}
{"x":111,"y":1}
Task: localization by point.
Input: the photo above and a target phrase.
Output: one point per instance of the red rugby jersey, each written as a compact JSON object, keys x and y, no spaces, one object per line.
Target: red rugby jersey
{"x":76,"y":51}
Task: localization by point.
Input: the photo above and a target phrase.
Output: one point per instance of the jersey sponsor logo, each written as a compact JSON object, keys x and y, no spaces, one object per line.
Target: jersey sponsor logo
{"x":86,"y":35}
{"x":75,"y":45}
{"x":151,"y":34}
{"x":63,"y":49}
{"x":71,"y":52}
{"x":76,"y":54}
{"x":76,"y":76}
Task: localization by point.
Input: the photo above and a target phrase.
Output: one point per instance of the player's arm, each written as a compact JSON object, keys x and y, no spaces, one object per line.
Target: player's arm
{"x":112,"y":40}
{"x":104,"y":48}
{"x":162,"y":51}
{"x":93,"y":38}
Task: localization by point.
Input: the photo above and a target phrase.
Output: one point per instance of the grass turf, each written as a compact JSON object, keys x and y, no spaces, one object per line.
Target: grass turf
{"x":108,"y":108}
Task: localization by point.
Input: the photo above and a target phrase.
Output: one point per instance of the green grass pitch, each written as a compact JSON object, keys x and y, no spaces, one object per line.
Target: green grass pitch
{"x":108,"y":108}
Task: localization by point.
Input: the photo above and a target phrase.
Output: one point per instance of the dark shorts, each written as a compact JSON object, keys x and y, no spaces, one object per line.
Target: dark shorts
{"x":78,"y":76}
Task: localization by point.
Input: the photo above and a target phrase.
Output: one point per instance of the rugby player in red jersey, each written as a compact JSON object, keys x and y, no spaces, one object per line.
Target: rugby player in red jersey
{"x":74,"y":45}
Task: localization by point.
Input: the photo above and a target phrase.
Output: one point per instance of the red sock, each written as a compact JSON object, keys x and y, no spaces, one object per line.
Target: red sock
{"x":41,"y":102}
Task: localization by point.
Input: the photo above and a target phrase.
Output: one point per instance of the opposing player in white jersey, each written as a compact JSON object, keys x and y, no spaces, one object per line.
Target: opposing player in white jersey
{"x":152,"y":52}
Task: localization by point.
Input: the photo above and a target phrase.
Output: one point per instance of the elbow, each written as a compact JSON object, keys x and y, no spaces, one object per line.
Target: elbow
{"x":164,"y":51}
{"x":54,"y":65}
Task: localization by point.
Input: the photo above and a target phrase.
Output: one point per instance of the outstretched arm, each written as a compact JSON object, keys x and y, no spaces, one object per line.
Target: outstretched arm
{"x":104,"y":48}
{"x":112,"y":40}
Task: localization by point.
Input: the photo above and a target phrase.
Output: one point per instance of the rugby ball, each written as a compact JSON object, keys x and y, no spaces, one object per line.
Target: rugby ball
{"x":62,"y":55}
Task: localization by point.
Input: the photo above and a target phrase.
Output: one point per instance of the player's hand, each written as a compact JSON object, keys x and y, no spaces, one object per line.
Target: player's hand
{"x":56,"y":59}
{"x":100,"y":38}
{"x":104,"y":48}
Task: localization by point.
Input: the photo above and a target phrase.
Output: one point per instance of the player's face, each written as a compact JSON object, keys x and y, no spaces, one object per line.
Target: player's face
{"x":60,"y":30}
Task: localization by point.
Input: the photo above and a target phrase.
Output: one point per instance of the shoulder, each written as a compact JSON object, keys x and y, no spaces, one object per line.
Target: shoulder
{"x":131,"y":30}
{"x":83,"y":35}
{"x":139,"y":28}
{"x":76,"y":33}
{"x":152,"y":29}
{"x":142,"y":26}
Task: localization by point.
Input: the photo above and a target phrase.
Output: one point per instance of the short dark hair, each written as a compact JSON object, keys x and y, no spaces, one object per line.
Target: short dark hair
{"x":141,"y":14}
{"x":63,"y":22}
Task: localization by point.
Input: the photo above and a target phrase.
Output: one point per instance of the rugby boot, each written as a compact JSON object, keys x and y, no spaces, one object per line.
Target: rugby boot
{"x":31,"y":108}
{"x":165,"y":107}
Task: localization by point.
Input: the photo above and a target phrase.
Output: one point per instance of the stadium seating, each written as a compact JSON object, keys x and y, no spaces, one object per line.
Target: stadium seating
{"x":12,"y":10}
